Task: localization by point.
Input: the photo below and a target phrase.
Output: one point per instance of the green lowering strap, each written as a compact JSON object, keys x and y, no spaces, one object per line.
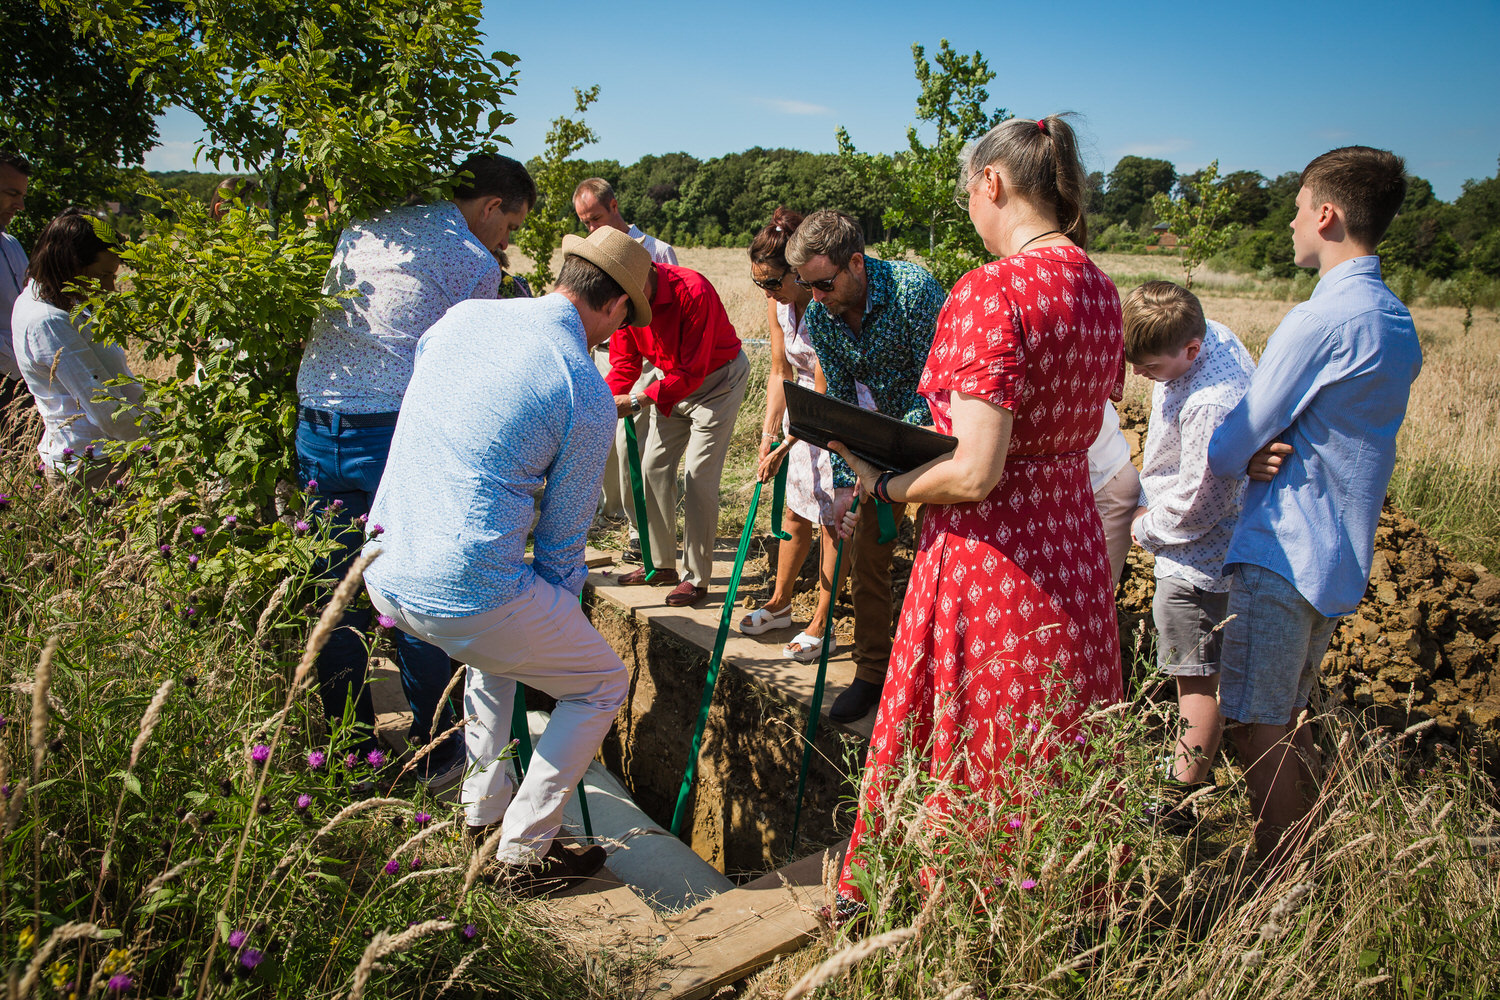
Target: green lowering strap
{"x":679,"y":814}
{"x":521,"y":731}
{"x":887,"y":520}
{"x":778,"y":500}
{"x":638,"y":495}
{"x":817,"y":699}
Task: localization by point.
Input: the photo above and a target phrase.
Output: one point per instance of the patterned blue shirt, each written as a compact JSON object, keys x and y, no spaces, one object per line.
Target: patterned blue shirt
{"x":504,"y":404}
{"x":1333,"y":383}
{"x":890,"y":350}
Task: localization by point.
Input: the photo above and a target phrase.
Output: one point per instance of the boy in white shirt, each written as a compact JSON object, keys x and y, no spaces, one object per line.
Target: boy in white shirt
{"x":1187,"y":514}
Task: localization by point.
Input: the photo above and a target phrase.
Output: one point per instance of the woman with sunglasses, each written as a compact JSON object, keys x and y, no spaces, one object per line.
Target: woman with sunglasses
{"x":810,"y":493}
{"x":68,"y":373}
{"x":1008,"y":631}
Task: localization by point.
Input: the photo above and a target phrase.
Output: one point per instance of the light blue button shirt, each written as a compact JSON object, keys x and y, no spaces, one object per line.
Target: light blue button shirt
{"x":504,"y":405}
{"x":1333,"y":383}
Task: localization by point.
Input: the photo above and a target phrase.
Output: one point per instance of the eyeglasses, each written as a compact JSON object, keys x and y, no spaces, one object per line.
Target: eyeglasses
{"x":823,"y":284}
{"x":961,"y":196}
{"x":773,"y":284}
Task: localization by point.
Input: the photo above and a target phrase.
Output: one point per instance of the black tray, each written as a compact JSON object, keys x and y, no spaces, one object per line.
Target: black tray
{"x":884,"y":442}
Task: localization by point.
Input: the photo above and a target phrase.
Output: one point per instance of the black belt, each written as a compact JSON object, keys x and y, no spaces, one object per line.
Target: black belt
{"x":327,"y":418}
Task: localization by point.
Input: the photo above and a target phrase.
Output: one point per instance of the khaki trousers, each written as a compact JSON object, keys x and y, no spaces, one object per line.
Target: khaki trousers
{"x":1117,"y":500}
{"x":870,"y":592}
{"x":700,"y":426}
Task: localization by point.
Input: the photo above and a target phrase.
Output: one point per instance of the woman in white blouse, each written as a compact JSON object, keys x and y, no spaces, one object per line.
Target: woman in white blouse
{"x":66,"y":371}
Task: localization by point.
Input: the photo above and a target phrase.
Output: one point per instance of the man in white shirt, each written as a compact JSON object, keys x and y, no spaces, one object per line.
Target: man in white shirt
{"x":407,"y":266}
{"x":14,"y":399}
{"x":597,"y":207}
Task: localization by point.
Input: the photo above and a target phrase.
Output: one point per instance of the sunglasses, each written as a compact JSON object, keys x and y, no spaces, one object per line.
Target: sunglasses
{"x":772,"y":285}
{"x":823,"y":284}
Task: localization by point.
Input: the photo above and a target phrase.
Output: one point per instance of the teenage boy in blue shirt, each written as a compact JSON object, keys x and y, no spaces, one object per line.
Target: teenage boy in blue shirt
{"x":1316,"y":431}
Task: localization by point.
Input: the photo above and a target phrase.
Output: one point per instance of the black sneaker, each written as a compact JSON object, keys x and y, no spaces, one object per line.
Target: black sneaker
{"x":855,"y":702}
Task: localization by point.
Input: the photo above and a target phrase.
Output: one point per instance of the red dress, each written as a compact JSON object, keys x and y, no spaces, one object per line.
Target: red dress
{"x":1009,"y":618}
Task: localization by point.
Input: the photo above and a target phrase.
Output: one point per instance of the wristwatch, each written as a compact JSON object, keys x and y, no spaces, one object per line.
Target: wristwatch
{"x":635,"y":404}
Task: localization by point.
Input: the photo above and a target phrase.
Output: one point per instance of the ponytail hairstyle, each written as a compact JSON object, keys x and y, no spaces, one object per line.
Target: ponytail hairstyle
{"x":66,"y":248}
{"x":1041,"y":159}
{"x":769,"y":245}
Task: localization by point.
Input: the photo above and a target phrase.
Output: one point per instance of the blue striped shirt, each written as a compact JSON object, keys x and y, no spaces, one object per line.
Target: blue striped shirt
{"x":504,"y":405}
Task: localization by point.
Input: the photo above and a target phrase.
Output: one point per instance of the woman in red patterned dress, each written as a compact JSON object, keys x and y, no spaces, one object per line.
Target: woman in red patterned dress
{"x":1009,"y":618}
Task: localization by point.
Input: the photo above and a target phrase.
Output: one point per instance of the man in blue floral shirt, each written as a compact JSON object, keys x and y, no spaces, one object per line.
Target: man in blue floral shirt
{"x":871,"y":322}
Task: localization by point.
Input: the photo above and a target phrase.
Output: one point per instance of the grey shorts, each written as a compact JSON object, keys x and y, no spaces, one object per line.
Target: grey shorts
{"x":1272,"y":648}
{"x":1188,"y":636}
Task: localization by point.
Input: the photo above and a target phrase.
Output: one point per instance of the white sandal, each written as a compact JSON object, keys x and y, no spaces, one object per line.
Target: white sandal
{"x":764,"y":620}
{"x":809,"y":648}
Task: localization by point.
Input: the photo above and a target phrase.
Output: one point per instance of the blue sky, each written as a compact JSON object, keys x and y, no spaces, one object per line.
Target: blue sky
{"x":1262,"y":86}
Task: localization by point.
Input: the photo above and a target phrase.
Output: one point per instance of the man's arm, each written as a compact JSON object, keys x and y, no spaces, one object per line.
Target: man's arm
{"x":1298,"y":361}
{"x":572,"y":490}
{"x":624,"y":362}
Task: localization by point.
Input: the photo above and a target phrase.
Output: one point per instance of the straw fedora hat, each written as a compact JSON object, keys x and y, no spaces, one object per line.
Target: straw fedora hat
{"x":623,"y":259}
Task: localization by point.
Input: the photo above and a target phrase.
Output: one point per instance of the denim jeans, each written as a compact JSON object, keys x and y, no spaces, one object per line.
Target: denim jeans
{"x":347,"y":463}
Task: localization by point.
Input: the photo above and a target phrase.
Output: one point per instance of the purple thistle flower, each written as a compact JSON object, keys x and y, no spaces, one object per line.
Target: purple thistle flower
{"x":470,"y":931}
{"x":166,"y":549}
{"x":250,"y":958}
{"x":145,"y":449}
{"x":376,"y":758}
{"x":312,"y":486}
{"x":120,"y":983}
{"x":392,"y":866}
{"x":376,"y":531}
{"x":199,"y":531}
{"x":362,"y":519}
{"x":189,"y":611}
{"x":237,"y":938}
{"x":351,"y":760}
{"x":416,"y":862}
{"x":3,"y":721}
{"x":192,"y":560}
{"x":1028,"y":883}
{"x":1080,"y":739}
{"x":303,"y":801}
{"x":337,"y":504}
{"x":1014,"y":824}
{"x":422,"y":819}
{"x":231,"y":520}
{"x":260,"y":753}
{"x":316,"y":759}
{"x":4,"y":499}
{"x":386,"y":621}
{"x":88,"y":452}
{"x":5,"y":790}
{"x":67,"y":453}
{"x":119,"y":482}
{"x":302,"y":526}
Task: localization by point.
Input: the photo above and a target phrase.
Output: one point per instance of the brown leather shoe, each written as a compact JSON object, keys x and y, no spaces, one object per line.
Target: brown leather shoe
{"x":637,"y":578}
{"x":559,"y":868}
{"x":685,"y":594}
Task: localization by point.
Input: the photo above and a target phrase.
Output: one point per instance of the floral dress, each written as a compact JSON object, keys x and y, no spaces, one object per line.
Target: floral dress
{"x":809,"y":474}
{"x":1009,"y":619}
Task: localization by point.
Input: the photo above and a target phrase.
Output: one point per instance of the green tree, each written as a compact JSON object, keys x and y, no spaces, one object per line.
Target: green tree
{"x":919,"y":181}
{"x":71,"y":107}
{"x":556,"y":174}
{"x":341,"y":111}
{"x":1199,"y":217}
{"x":1133,"y":182}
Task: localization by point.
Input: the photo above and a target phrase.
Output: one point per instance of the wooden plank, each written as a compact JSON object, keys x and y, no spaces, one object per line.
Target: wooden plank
{"x":724,"y":939}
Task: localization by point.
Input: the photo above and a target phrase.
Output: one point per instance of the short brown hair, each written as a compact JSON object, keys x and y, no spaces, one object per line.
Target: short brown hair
{"x":1367,"y":185}
{"x":826,"y":232}
{"x":600,"y":188}
{"x":588,"y":281}
{"x":1161,"y":317}
{"x":65,"y":249}
{"x":496,"y":176}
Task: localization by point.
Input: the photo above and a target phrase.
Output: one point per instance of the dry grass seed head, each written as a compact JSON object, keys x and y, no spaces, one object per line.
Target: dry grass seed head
{"x":61,"y":936}
{"x":39,"y":703}
{"x":384,"y":943}
{"x":149,"y":720}
{"x":841,"y":962}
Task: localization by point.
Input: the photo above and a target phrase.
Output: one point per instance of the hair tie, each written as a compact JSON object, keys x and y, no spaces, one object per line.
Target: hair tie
{"x":1041,"y":125}
{"x":778,"y":229}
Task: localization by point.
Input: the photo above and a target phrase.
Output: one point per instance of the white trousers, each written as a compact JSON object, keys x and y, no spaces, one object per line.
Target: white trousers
{"x":543,"y":640}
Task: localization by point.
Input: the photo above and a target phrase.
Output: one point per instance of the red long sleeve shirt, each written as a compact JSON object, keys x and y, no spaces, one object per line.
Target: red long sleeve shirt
{"x":690,"y":336}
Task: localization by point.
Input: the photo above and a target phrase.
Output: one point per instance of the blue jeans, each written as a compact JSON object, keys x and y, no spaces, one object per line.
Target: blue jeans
{"x":347,"y":462}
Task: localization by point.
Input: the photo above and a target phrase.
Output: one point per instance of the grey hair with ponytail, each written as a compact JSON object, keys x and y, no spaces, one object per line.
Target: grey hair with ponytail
{"x":1040,"y":157}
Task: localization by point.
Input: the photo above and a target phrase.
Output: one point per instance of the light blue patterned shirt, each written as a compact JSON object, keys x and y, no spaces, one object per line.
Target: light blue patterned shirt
{"x":1333,"y":383}
{"x":504,"y":404}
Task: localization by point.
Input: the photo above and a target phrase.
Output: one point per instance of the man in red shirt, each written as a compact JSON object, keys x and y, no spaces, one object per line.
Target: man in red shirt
{"x":692,"y":409}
